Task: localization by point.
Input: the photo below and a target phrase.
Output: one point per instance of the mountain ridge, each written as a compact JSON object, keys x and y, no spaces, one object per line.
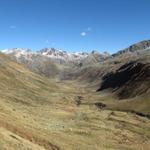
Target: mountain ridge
{"x":51,"y":53}
{"x":38,"y":112}
{"x":58,"y":54}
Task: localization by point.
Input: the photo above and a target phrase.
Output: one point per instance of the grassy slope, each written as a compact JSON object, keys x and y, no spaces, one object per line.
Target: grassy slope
{"x":91,"y":76}
{"x":36,"y":113}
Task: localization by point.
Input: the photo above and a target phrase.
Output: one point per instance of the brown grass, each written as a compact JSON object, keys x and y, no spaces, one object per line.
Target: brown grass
{"x":37,"y":113}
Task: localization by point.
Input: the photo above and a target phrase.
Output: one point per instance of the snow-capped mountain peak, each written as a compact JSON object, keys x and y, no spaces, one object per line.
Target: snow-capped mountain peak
{"x":51,"y":53}
{"x":60,"y":54}
{"x":17,"y":51}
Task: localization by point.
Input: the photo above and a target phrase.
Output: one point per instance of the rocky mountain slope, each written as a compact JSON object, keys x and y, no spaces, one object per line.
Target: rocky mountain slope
{"x":53,"y":54}
{"x":119,"y":72}
{"x":103,"y":70}
{"x":38,"y":113}
{"x":52,"y":62}
{"x":134,"y":48}
{"x":98,"y":101}
{"x":130,"y":80}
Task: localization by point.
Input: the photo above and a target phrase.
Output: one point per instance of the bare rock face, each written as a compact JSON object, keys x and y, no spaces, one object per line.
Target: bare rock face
{"x":62,"y":55}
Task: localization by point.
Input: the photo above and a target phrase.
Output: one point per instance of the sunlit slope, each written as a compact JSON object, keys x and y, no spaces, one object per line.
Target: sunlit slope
{"x":41,"y":114}
{"x":21,"y":91}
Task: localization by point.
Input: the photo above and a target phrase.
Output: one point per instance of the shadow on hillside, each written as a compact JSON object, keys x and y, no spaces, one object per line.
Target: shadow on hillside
{"x":128,"y":75}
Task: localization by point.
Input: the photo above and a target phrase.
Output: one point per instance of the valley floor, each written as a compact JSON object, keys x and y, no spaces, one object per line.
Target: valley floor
{"x":69,"y":119}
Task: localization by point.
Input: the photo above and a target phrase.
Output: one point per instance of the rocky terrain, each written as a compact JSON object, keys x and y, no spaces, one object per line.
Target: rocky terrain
{"x":57,"y":55}
{"x":54,"y":100}
{"x":52,"y":62}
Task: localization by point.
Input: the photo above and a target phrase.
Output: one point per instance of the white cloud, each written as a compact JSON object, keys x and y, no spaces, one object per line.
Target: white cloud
{"x":83,"y":33}
{"x":12,"y":27}
{"x":86,"y":31}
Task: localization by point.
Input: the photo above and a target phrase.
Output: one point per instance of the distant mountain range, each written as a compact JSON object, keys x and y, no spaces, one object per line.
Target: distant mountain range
{"x":53,"y":62}
{"x":50,"y":95}
{"x":52,"y":53}
{"x":63,"y":56}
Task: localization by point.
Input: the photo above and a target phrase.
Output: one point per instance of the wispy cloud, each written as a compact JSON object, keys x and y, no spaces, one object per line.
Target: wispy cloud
{"x":83,"y":34}
{"x":12,"y":27}
{"x":86,"y":31}
{"x":47,"y":42}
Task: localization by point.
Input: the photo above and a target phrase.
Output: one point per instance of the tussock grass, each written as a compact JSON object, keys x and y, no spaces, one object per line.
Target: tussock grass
{"x":37,"y":113}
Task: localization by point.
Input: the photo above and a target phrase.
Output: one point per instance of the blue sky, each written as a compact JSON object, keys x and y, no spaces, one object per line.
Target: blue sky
{"x":73,"y":25}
